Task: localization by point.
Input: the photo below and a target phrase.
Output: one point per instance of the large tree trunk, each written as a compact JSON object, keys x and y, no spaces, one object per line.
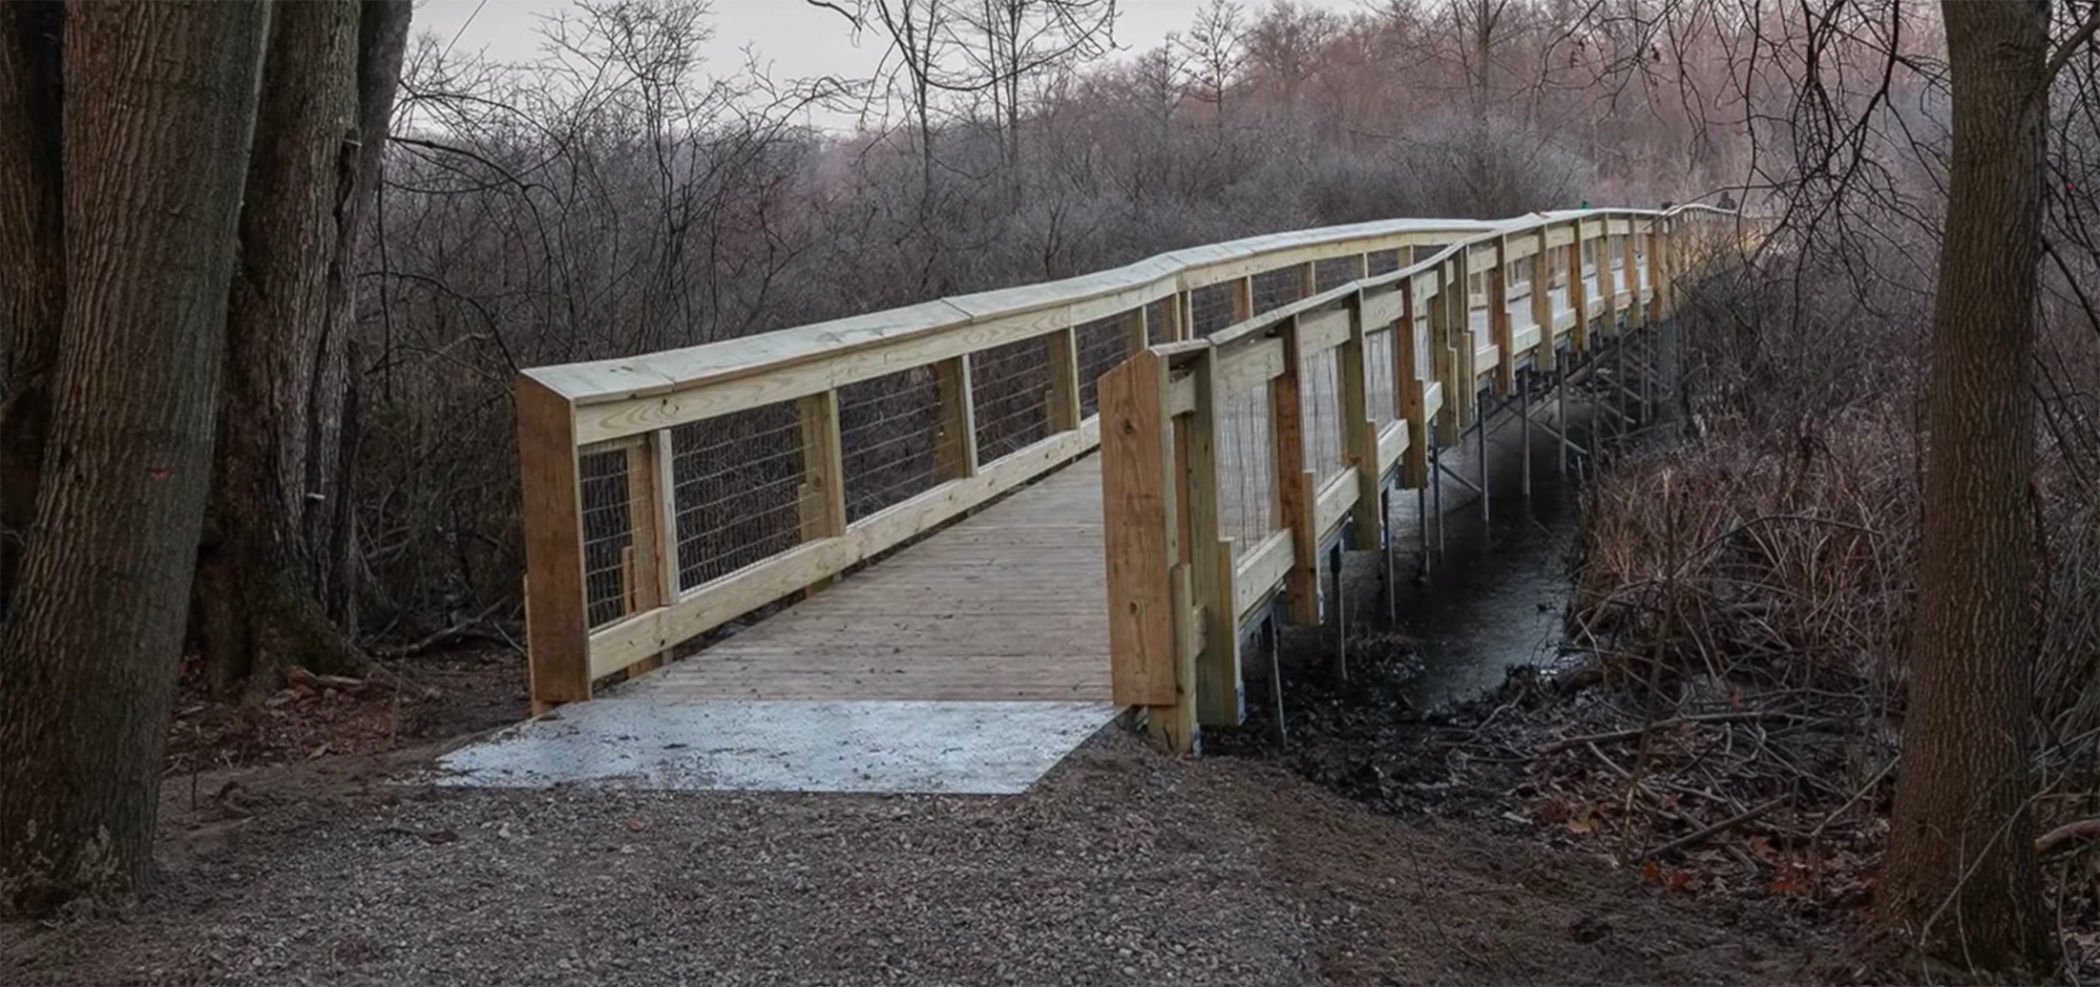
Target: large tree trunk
{"x":274,"y":580}
{"x":32,"y":261}
{"x":159,"y":111}
{"x":1961,"y":870}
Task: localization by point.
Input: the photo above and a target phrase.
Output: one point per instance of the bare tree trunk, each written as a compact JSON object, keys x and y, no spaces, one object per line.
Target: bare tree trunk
{"x":1961,"y":870}
{"x":274,"y":580}
{"x":32,"y":261}
{"x":159,"y":111}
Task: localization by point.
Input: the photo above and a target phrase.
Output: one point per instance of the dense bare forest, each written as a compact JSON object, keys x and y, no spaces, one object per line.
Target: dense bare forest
{"x":1833,"y":705}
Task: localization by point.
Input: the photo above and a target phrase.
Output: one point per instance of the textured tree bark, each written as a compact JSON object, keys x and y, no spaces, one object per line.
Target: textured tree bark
{"x":274,"y":577}
{"x":159,"y":111}
{"x":32,"y":260}
{"x":1961,"y":872}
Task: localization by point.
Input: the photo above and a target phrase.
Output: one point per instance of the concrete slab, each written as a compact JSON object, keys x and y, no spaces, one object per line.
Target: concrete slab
{"x":965,"y":748}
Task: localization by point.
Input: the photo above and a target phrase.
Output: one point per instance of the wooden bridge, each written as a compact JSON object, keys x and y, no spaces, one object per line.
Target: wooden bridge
{"x":1079,"y":490}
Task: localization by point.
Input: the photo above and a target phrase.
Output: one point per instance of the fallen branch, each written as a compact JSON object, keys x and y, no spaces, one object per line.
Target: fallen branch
{"x":2055,"y":839}
{"x":1726,"y":824}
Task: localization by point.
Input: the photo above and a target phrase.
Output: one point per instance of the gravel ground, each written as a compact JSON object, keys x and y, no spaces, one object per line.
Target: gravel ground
{"x":1123,"y":866}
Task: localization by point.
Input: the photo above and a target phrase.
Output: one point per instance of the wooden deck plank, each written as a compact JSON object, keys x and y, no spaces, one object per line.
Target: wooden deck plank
{"x":1006,"y":605}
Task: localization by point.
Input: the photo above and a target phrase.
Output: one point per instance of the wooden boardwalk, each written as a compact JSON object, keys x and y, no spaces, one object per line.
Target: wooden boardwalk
{"x":1008,"y":604}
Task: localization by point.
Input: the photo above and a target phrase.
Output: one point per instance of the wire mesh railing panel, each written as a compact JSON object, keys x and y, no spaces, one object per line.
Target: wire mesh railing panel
{"x":1246,"y":502}
{"x":608,"y":535}
{"x":1010,"y":392}
{"x":736,"y":489}
{"x":1333,"y":272}
{"x":1385,"y":261}
{"x":1378,"y":366}
{"x":1210,"y":308}
{"x":889,"y":433}
{"x":1102,"y":344}
{"x":1321,"y":405}
{"x":1277,"y":288}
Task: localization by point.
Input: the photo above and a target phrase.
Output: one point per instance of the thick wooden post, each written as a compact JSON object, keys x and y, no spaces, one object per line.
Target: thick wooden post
{"x":1499,"y":327}
{"x":1296,"y":486}
{"x":1242,"y":300}
{"x":557,"y":628}
{"x":1409,"y":389}
{"x":1148,"y":589}
{"x":1579,"y":292}
{"x":1061,"y":404}
{"x":1449,"y":338}
{"x":823,"y":491}
{"x":956,"y":447}
{"x":1219,"y":697}
{"x":651,"y":534}
{"x":1360,"y":428}
{"x":1542,"y":304}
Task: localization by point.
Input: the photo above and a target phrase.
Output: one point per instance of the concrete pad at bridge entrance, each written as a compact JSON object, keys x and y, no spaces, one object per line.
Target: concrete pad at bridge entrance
{"x":870,"y":746}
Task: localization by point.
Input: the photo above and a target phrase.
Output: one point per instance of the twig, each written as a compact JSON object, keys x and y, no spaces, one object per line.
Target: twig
{"x":1729,"y":823}
{"x":1564,"y":743}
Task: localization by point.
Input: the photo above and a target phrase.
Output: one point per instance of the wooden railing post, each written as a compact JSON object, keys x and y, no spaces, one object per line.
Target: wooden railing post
{"x":1360,"y":429}
{"x":1409,"y":388}
{"x":652,"y":534}
{"x":1659,"y":269}
{"x":1499,"y":327}
{"x":1296,"y":486}
{"x":1579,"y":292}
{"x":1061,"y":404}
{"x":956,"y":447}
{"x":1451,"y":346}
{"x":1150,"y":659}
{"x":1219,"y":697}
{"x":823,"y":491}
{"x":1138,"y":324}
{"x":1542,"y":304}
{"x":557,"y":627}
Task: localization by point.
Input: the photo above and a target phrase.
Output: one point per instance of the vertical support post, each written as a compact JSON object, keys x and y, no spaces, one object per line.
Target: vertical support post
{"x":1524,"y":427}
{"x":1498,"y":319}
{"x":1061,"y":404}
{"x":1480,"y":425}
{"x":956,"y":446}
{"x":1137,"y":323}
{"x":667,"y":516}
{"x":557,"y":627}
{"x":823,"y":492}
{"x":1579,"y":293}
{"x":1243,"y":299}
{"x":1295,"y":485}
{"x":1409,"y":388}
{"x":1149,"y":628}
{"x":1219,"y":697}
{"x":1542,"y":305}
{"x":642,"y":561}
{"x":1360,"y":427}
{"x":1560,"y":416}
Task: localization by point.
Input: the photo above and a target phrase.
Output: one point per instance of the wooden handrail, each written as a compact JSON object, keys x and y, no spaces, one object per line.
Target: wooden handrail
{"x":1190,"y":560}
{"x":615,"y":462}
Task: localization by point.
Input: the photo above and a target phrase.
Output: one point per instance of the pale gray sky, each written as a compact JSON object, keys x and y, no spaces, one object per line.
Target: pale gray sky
{"x":793,"y":39}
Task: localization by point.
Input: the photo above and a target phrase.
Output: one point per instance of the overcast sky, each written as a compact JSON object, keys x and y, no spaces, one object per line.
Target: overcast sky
{"x":793,"y":39}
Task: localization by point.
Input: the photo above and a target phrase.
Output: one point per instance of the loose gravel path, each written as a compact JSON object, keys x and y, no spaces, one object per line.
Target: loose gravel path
{"x":1123,"y":866}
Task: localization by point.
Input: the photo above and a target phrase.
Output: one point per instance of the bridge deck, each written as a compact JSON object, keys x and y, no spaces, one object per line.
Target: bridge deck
{"x":1007,"y":605}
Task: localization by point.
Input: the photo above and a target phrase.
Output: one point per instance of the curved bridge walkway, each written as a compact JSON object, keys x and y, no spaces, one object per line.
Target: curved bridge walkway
{"x":932,"y":549}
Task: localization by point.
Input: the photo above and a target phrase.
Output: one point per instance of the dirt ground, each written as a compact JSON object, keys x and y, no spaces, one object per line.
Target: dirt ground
{"x":1123,"y":866}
